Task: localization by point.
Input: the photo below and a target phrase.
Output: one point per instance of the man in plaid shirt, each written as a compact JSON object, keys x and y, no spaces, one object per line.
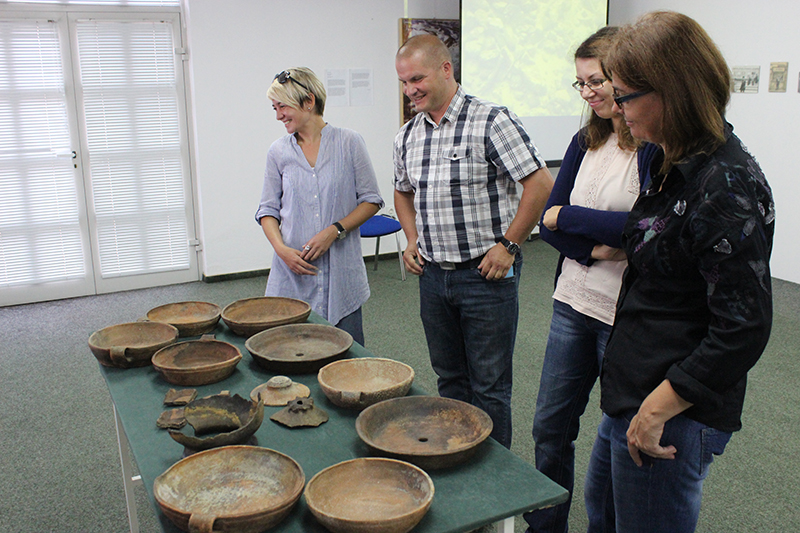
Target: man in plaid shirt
{"x":457,"y":165}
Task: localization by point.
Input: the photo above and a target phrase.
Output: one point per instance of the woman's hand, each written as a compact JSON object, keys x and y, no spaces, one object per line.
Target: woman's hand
{"x":647,"y":427}
{"x":603,"y":252}
{"x":319,"y":244}
{"x":550,"y":219}
{"x":294,"y":260}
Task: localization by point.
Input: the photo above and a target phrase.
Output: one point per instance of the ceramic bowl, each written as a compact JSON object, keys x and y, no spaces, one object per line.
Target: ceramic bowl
{"x":251,"y":315}
{"x":359,"y":383}
{"x":245,"y":489}
{"x":428,"y":431}
{"x":191,"y":318}
{"x":298,"y":348}
{"x":370,"y":495}
{"x":197,"y":362}
{"x":131,"y":344}
{"x":218,"y":420}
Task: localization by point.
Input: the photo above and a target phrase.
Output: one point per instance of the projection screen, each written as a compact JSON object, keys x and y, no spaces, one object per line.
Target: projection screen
{"x":519,"y":53}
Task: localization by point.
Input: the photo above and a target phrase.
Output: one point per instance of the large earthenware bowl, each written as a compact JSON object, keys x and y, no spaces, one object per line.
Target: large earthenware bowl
{"x":191,"y":318}
{"x":429,"y":431}
{"x":370,"y":495}
{"x":219,"y":420}
{"x":298,"y":348}
{"x":251,"y":315}
{"x":234,"y":488}
{"x":198,"y":362}
{"x":359,"y":383}
{"x":131,"y":344}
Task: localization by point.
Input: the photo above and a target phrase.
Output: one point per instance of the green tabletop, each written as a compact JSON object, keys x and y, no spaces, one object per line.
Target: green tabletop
{"x":494,"y":484}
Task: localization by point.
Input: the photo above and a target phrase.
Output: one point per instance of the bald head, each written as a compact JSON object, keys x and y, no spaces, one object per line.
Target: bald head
{"x":426,"y":47}
{"x":424,"y":68}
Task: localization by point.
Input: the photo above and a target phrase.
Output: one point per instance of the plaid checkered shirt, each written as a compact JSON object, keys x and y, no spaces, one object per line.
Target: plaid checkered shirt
{"x":463,"y":173}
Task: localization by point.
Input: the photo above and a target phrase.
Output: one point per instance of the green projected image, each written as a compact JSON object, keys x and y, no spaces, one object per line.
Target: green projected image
{"x":518,"y":53}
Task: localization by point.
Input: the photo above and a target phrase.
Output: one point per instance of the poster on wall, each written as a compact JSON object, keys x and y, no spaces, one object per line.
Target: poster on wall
{"x":745,"y":79}
{"x":448,"y":30}
{"x":778,"y":73}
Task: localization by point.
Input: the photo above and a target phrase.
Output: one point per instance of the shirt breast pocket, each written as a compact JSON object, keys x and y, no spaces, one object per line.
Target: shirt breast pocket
{"x":458,"y":167}
{"x":457,"y":154}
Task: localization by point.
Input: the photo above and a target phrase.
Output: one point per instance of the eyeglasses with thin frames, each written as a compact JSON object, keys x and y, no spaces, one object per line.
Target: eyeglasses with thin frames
{"x":593,"y":85}
{"x":285,"y":76}
{"x":621,"y":99}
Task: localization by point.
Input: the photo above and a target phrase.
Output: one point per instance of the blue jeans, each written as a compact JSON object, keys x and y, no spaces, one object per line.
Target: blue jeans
{"x":572,"y":361}
{"x":353,"y":324}
{"x":471,"y":326}
{"x":661,"y":496}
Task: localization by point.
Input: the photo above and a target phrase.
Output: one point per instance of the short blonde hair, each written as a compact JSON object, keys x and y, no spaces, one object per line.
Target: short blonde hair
{"x":292,"y":92}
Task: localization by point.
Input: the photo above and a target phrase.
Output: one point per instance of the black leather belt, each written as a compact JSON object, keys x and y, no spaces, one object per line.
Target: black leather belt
{"x":472,"y":263}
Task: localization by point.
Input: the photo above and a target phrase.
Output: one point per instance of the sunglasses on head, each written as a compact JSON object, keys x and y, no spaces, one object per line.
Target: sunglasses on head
{"x":285,"y":76}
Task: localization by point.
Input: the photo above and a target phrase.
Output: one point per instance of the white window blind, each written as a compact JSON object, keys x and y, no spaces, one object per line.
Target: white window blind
{"x":40,"y":234}
{"x":144,"y":3}
{"x":128,"y":85}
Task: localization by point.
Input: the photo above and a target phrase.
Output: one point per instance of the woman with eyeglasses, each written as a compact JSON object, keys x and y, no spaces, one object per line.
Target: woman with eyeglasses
{"x":695,"y":309}
{"x":596,"y":186}
{"x":319,"y":187}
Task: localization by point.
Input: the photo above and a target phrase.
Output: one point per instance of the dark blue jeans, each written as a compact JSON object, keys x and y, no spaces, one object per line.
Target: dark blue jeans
{"x":662,"y":495}
{"x":471,"y":326}
{"x":575,"y":348}
{"x":353,"y":324}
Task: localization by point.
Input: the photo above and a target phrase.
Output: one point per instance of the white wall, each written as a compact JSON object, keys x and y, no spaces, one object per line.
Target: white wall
{"x":754,"y":34}
{"x":237,"y":46}
{"x":235,"y":49}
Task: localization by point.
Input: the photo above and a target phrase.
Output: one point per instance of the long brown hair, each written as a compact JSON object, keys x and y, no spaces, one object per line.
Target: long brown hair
{"x":598,"y":130}
{"x":672,"y":55}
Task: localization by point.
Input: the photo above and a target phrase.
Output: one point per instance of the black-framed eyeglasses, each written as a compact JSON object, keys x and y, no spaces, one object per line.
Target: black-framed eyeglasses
{"x":285,"y":76}
{"x":593,"y":85}
{"x":621,"y":99}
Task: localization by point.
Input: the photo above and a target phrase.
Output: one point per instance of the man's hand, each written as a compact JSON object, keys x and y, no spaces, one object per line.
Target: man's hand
{"x":496,"y":263}
{"x":413,"y":259}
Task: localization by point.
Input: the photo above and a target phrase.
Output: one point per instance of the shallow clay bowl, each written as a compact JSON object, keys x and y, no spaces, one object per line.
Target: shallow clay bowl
{"x":219,"y":420}
{"x":359,"y":383}
{"x":131,"y":344}
{"x":429,"y":431}
{"x":298,"y":348}
{"x":191,"y":318}
{"x":370,"y":495}
{"x":198,"y":362}
{"x":234,"y":488}
{"x":251,"y":315}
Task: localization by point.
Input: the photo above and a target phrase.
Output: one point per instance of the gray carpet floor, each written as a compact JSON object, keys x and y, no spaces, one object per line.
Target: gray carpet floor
{"x":59,"y":464}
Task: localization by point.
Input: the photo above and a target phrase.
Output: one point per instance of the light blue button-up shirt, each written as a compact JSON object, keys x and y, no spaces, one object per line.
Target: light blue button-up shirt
{"x":305,"y":200}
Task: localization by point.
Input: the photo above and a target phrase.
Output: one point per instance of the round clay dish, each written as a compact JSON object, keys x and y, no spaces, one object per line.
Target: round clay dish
{"x":198,"y":362}
{"x":298,"y":348}
{"x":131,"y":344}
{"x":370,"y":495}
{"x":428,"y":431}
{"x":359,"y":383}
{"x":249,"y":316}
{"x":191,"y":318}
{"x":234,"y":488}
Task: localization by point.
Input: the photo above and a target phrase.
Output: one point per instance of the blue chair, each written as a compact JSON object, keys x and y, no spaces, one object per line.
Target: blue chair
{"x":379,"y":226}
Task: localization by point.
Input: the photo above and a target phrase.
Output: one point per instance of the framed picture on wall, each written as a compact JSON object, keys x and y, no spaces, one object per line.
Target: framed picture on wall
{"x":745,"y":79}
{"x":449,"y":31}
{"x":778,"y":74}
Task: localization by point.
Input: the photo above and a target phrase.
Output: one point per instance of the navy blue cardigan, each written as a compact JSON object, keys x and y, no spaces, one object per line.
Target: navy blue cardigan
{"x":581,"y":228}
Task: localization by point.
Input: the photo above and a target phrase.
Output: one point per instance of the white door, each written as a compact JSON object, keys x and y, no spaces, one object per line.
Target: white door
{"x":95,"y":188}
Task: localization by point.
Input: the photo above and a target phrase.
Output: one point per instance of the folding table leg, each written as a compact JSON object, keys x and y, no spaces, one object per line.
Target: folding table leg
{"x":506,"y":526}
{"x":128,"y":479}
